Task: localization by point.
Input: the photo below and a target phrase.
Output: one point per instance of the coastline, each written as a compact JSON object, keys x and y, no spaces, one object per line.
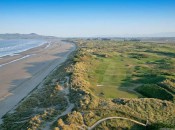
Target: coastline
{"x":7,"y":62}
{"x":20,"y":46}
{"x":35,"y":68}
{"x":8,"y":58}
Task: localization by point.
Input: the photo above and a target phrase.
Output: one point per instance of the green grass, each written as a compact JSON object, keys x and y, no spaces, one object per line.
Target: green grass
{"x":108,"y":75}
{"x":127,"y":66}
{"x":155,"y":91}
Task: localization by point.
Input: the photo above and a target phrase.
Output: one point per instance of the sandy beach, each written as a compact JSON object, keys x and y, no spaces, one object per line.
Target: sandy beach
{"x":20,"y":74}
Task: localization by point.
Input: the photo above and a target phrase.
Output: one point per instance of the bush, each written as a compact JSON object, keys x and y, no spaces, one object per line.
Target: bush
{"x":154,"y":91}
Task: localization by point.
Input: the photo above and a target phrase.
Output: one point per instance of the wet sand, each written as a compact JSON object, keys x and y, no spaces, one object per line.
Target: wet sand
{"x":20,"y":74}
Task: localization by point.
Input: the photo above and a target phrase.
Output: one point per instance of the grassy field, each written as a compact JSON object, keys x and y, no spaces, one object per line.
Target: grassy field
{"x":108,"y":76}
{"x":116,"y":69}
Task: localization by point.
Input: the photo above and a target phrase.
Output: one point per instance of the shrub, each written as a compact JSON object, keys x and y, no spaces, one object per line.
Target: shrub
{"x":154,"y":91}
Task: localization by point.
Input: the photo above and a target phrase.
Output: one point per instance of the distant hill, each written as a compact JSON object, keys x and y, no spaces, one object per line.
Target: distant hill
{"x":163,"y":34}
{"x":158,"y":39}
{"x":24,"y":36}
{"x":130,"y":35}
{"x":153,"y":39}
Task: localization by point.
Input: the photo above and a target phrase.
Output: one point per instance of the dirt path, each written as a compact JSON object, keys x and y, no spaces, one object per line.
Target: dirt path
{"x":108,"y":118}
{"x":67,"y":111}
{"x":84,"y":127}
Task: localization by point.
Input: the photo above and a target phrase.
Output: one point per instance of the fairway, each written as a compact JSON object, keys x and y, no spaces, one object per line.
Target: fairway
{"x":128,"y":66}
{"x":109,"y":75}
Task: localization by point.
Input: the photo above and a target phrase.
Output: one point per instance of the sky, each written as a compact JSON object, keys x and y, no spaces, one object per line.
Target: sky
{"x":87,"y":18}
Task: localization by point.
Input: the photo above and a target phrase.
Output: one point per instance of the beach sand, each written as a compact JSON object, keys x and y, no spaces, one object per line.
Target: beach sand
{"x":20,"y":74}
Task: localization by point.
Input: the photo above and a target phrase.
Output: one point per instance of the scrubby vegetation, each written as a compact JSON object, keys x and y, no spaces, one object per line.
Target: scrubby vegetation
{"x":129,"y":79}
{"x":109,"y":69}
{"x":154,"y":91}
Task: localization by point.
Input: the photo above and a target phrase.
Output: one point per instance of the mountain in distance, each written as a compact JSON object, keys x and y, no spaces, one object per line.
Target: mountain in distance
{"x":24,"y":36}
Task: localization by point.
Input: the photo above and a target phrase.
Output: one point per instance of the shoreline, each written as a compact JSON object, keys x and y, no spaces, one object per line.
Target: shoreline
{"x":17,"y":93}
{"x":18,"y":52}
{"x":9,"y":58}
{"x":1,"y":65}
{"x":40,"y":85}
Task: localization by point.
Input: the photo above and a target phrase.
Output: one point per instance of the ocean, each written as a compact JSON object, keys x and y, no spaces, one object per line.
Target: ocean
{"x":13,"y":47}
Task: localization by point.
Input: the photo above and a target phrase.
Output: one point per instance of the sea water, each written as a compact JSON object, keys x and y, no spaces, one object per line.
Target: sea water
{"x":15,"y":46}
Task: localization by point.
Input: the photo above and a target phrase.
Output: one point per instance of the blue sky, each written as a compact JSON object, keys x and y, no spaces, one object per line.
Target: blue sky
{"x":72,"y":18}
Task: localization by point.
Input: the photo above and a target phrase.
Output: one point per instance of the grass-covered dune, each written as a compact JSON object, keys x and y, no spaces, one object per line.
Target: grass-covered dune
{"x":122,"y":79}
{"x":131,"y":80}
{"x":126,"y":69}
